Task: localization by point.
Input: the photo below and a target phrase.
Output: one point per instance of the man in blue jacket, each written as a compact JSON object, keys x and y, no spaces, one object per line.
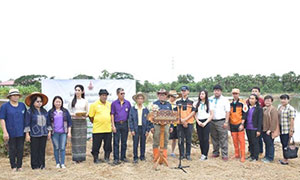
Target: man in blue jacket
{"x":139,"y":126}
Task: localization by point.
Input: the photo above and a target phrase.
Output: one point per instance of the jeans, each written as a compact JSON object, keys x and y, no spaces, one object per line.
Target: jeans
{"x":139,"y":138}
{"x":59,"y":141}
{"x":269,"y":144}
{"x":121,"y":134}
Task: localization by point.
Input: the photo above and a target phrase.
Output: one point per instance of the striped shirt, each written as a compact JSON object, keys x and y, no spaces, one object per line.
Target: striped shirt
{"x":286,"y":114}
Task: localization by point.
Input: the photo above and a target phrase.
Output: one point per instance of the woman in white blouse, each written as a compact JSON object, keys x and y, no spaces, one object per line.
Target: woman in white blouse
{"x":204,"y":115}
{"x":79,"y":110}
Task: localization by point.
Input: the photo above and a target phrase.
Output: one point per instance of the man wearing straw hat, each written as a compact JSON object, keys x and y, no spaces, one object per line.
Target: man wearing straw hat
{"x":172,"y":96}
{"x":139,"y":126}
{"x":163,"y":105}
{"x":12,"y":116}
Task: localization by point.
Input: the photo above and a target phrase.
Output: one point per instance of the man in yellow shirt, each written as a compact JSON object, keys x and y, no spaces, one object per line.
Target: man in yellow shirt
{"x":99,"y":115}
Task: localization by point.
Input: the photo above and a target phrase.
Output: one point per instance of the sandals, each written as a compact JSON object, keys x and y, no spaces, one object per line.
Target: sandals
{"x":283,"y":163}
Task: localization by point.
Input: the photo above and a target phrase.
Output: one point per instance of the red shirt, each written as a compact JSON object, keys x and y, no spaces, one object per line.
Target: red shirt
{"x":261,"y":102}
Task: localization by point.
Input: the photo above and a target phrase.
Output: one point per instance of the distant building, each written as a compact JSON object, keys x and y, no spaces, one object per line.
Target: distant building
{"x":7,"y":83}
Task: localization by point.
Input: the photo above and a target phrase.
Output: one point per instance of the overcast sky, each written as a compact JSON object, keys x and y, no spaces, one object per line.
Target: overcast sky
{"x":66,"y":38}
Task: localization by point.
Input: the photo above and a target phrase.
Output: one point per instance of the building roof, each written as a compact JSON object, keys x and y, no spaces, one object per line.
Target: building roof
{"x":7,"y":83}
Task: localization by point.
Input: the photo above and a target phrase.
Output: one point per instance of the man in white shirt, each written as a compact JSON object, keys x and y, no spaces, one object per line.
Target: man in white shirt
{"x":219,"y":125}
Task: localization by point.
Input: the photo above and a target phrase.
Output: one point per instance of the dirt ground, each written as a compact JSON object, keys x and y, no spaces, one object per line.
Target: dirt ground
{"x":212,"y":169}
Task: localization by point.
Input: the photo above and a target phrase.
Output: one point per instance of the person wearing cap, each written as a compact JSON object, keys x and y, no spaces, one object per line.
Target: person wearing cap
{"x":139,"y":126}
{"x":100,"y":116}
{"x":219,"y":124}
{"x":186,"y":112}
{"x":238,"y":109}
{"x":172,"y":96}
{"x":37,"y":128}
{"x":119,"y":119}
{"x":12,"y":116}
{"x":163,"y":104}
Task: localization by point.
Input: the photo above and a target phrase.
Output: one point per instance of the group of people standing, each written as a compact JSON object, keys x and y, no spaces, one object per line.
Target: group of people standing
{"x":256,"y":116}
{"x":112,"y":122}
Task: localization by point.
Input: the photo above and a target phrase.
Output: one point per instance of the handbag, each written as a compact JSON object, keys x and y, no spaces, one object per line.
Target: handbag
{"x":291,"y":151}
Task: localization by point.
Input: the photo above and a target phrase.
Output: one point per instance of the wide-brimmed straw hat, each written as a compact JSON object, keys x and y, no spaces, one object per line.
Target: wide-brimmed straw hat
{"x":174,"y":93}
{"x":162,"y":91}
{"x":13,"y":92}
{"x":139,"y":94}
{"x":29,"y":98}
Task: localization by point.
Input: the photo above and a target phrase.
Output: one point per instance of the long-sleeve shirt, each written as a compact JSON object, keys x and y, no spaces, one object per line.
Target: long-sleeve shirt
{"x":37,"y":123}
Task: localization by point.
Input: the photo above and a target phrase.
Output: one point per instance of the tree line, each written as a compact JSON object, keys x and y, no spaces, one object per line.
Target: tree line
{"x":288,"y":82}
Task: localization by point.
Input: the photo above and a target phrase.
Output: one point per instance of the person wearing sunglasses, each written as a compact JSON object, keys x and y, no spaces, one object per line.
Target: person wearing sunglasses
{"x":119,"y":119}
{"x":37,"y":128}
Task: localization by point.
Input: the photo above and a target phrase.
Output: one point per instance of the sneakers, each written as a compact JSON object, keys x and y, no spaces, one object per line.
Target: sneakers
{"x":63,"y":166}
{"x":57,"y":166}
{"x":189,"y":158}
{"x":116,"y":162}
{"x":173,"y":155}
{"x":106,"y":160}
{"x":215,"y":155}
{"x":125,"y":160}
{"x":135,"y":161}
{"x":225,"y":158}
{"x":19,"y":169}
{"x":203,"y":158}
{"x":266,"y":160}
{"x":96,"y":161}
{"x":252,"y":160}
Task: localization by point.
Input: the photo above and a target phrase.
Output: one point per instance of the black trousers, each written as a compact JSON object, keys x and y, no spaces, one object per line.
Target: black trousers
{"x":253,"y":143}
{"x":284,"y":140}
{"x":121,"y":134}
{"x":97,"y":141}
{"x":37,"y":150}
{"x":185,"y":135}
{"x":203,"y":137}
{"x":16,"y":147}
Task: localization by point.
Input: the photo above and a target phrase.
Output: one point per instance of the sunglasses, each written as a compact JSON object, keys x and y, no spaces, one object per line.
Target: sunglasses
{"x":122,"y":93}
